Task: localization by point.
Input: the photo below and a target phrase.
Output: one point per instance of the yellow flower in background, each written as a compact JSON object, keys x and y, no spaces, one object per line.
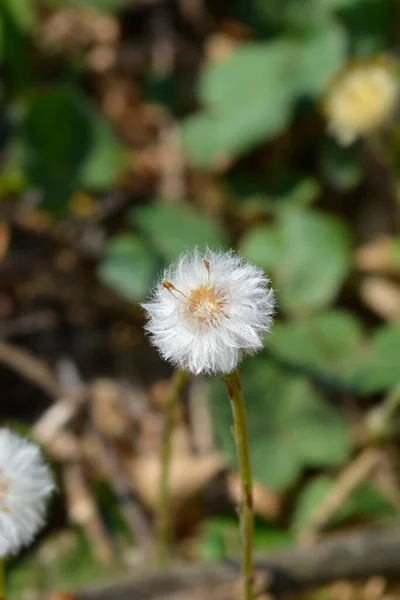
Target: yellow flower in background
{"x":361,"y":99}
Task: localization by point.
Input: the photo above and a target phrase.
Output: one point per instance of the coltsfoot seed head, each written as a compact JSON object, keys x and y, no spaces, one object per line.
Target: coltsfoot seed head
{"x":25,"y":486}
{"x":209,"y":310}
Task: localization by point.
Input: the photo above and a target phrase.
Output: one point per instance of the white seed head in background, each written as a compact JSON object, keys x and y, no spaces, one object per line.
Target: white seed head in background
{"x":25,"y":486}
{"x":209,"y":310}
{"x":361,"y":99}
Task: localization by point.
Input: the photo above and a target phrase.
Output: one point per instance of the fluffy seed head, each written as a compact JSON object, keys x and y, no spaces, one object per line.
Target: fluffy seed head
{"x":361,"y":99}
{"x":25,"y":485}
{"x":209,"y":310}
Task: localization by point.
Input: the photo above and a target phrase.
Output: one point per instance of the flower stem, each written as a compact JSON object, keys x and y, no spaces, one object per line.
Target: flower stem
{"x":234,"y":389}
{"x":164,"y":520}
{"x":2,"y":580}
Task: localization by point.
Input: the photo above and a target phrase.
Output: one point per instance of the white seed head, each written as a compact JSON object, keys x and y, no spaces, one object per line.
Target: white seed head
{"x":361,"y":99}
{"x":25,"y":485}
{"x":209,"y":310}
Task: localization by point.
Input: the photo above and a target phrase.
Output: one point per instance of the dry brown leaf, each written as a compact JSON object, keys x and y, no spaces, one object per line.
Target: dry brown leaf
{"x":189,"y":475}
{"x":65,"y":447}
{"x":108,"y":412}
{"x":378,"y":256}
{"x":382,"y":296}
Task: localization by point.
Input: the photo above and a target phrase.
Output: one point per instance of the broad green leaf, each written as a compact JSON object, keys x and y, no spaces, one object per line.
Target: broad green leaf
{"x":312,"y":257}
{"x":262,"y":245}
{"x":56,"y":142}
{"x":22,"y":12}
{"x":379,"y":368}
{"x":247,"y":98}
{"x":251,"y":96}
{"x":324,"y":344}
{"x":14,"y":49}
{"x":319,"y":432}
{"x":316,"y":259}
{"x":365,"y":501}
{"x":290,"y":425}
{"x":253,"y":68}
{"x":66,"y":144}
{"x":309,"y":499}
{"x":128,"y":267}
{"x":105,"y":159}
{"x":297,"y":16}
{"x":172,"y":228}
{"x":319,"y":54}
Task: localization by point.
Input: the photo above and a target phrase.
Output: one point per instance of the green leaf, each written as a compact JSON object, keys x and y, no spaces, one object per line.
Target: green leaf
{"x":365,"y":501}
{"x":378,"y":369}
{"x":316,"y":259}
{"x":311,"y":253}
{"x":67,"y":144}
{"x":251,"y":96}
{"x":128,"y":267}
{"x":324,"y":344}
{"x":290,"y":425}
{"x":262,"y":245}
{"x":240,"y":116}
{"x":319,"y":54}
{"x":309,"y":498}
{"x":220,"y":538}
{"x":289,"y":14}
{"x":172,"y":228}
{"x":22,"y":12}
{"x":104,"y":161}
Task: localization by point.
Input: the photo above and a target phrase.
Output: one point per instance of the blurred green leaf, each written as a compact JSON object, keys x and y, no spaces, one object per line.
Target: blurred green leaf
{"x":56,"y":141}
{"x":293,"y":15}
{"x":22,"y":12}
{"x":319,"y":53}
{"x":290,"y":425}
{"x":13,"y":46}
{"x":324,"y":344}
{"x":250,"y":97}
{"x":128,"y":267}
{"x":378,"y":369}
{"x":262,"y":245}
{"x":172,"y":228}
{"x":66,"y":144}
{"x":312,"y":256}
{"x":105,"y":157}
{"x":220,"y":538}
{"x":365,"y":501}
{"x":309,"y":499}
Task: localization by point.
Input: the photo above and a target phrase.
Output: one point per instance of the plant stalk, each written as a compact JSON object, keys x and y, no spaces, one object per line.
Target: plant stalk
{"x":164,"y":517}
{"x":2,"y":580}
{"x":234,"y":389}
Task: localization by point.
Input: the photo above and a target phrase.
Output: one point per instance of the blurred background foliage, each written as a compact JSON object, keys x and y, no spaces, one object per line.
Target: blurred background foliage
{"x":131,"y":130}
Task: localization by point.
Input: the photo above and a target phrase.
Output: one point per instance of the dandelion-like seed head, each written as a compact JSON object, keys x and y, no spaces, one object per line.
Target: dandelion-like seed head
{"x":25,"y":485}
{"x":209,"y":310}
{"x":361,"y":99}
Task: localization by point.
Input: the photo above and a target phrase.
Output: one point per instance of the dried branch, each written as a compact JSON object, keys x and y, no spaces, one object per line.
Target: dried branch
{"x":348,"y":556}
